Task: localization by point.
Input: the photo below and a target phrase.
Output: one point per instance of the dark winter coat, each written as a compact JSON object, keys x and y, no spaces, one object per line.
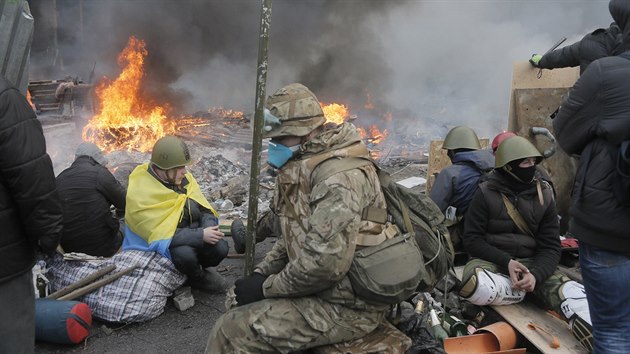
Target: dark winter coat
{"x":592,"y":122}
{"x":30,"y":210}
{"x":492,"y":235}
{"x":602,"y":42}
{"x":87,"y":191}
{"x":456,"y":184}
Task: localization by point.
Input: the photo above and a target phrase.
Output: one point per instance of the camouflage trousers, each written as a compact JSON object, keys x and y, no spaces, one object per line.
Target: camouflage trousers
{"x":548,"y":292}
{"x":285,"y":325}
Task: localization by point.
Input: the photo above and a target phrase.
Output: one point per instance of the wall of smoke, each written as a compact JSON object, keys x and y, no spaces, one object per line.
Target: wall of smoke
{"x":433,"y":64}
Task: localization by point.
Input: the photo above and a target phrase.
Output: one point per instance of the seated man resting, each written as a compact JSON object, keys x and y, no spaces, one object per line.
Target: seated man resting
{"x":167,"y":213}
{"x":511,"y":231}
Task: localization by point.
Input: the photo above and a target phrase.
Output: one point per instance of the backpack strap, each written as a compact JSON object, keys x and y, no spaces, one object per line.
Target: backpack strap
{"x":516,"y":216}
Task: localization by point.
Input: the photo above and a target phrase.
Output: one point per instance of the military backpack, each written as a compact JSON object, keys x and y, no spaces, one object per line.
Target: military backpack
{"x":416,"y":260}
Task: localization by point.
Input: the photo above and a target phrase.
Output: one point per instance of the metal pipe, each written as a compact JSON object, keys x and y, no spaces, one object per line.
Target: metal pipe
{"x":261,"y":89}
{"x":545,"y":132}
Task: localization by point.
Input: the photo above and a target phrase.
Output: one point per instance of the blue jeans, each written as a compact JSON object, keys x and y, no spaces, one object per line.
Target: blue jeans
{"x":606,"y":281}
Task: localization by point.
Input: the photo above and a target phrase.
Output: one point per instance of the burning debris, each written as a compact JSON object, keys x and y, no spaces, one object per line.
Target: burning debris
{"x":125,"y":121}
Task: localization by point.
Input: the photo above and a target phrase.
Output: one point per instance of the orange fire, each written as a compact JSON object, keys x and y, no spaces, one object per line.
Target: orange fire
{"x":374,"y":136}
{"x":335,"y":112}
{"x":125,"y":122}
{"x":29,"y":98}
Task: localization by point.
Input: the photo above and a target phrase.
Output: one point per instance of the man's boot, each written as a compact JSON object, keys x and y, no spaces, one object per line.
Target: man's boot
{"x":487,"y":288}
{"x":210,"y":281}
{"x":574,"y":307}
{"x":239,"y":234}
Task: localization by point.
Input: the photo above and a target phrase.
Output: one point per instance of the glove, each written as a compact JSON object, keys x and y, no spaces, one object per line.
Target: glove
{"x":535,"y":59}
{"x":249,"y":289}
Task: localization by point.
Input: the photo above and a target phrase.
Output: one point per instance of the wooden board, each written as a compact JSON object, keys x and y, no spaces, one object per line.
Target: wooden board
{"x":532,"y":100}
{"x":519,"y":315}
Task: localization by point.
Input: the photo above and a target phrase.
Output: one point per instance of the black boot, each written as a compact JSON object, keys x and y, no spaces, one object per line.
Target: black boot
{"x":210,"y":281}
{"x":239,"y":234}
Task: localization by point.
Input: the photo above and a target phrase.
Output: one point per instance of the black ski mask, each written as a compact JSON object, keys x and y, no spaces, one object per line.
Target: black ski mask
{"x":523,"y":175}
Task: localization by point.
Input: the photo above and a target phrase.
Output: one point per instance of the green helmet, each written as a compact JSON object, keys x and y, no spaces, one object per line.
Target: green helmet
{"x":297,"y":110}
{"x":170,"y":152}
{"x":461,"y":137}
{"x":515,"y":148}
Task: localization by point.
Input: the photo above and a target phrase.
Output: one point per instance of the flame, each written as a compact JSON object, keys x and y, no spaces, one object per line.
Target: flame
{"x":335,"y":112}
{"x":125,"y":122}
{"x":29,"y":98}
{"x":374,"y":135}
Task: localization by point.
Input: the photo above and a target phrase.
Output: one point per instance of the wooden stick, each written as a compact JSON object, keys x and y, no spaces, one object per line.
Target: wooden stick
{"x":91,"y":287}
{"x":86,"y":280}
{"x":555,"y":343}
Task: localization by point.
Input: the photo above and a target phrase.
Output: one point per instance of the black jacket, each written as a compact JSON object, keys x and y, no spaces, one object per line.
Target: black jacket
{"x":600,"y":43}
{"x":87,"y":191}
{"x":30,"y":210}
{"x":592,"y":122}
{"x":490,"y":233}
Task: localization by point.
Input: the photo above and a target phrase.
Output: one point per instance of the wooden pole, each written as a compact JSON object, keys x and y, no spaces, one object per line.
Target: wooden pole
{"x":261,"y":89}
{"x":86,"y":280}
{"x":91,"y":287}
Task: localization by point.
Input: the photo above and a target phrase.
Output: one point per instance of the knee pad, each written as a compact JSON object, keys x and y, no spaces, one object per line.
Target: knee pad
{"x":574,"y":307}
{"x":574,"y":301}
{"x":493,"y":289}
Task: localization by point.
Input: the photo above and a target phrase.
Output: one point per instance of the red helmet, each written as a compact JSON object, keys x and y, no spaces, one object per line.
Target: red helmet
{"x":499,"y":138}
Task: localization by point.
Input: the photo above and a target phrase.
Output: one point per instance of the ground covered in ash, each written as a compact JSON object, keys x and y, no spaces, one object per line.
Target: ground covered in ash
{"x":222,"y":175}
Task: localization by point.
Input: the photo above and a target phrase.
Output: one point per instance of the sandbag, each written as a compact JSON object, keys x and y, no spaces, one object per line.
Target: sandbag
{"x":62,"y":322}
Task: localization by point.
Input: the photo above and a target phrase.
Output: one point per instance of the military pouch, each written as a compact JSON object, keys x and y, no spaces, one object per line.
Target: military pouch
{"x":389,"y":272}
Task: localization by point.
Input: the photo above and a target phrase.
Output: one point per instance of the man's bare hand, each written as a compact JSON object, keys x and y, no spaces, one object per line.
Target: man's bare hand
{"x":526,"y":283}
{"x":212,"y":235}
{"x":516,"y":270}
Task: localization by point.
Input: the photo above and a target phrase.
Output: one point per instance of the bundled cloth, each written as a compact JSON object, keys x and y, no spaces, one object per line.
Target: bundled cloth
{"x":135,"y":297}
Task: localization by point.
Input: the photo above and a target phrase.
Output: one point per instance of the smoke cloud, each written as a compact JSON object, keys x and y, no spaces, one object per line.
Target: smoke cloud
{"x":432,"y":64}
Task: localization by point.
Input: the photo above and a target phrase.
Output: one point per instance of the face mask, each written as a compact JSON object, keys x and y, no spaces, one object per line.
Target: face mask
{"x":280,"y":154}
{"x":523,"y":175}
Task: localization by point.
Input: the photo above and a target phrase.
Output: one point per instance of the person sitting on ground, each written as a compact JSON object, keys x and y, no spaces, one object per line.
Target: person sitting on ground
{"x":88,"y":190}
{"x":455,"y":185}
{"x":541,"y":173}
{"x":300,"y":295}
{"x":167,"y":213}
{"x":511,"y":233}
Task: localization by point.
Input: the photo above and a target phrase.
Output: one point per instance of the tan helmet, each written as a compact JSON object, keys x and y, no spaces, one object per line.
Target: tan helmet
{"x":461,"y":137}
{"x":515,"y":148}
{"x":297,"y":110}
{"x":170,"y":152}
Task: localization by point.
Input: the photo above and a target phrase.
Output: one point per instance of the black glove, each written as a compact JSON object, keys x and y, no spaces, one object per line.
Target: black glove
{"x":249,"y":289}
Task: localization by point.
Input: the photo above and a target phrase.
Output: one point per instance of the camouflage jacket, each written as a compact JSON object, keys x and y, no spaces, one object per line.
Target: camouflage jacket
{"x":316,"y":248}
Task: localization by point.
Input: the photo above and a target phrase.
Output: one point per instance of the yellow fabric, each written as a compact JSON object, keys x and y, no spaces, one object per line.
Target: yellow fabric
{"x":153,"y":210}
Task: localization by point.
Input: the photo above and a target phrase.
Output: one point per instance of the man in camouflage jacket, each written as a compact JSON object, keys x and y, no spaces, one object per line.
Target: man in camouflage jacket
{"x":300,"y":297}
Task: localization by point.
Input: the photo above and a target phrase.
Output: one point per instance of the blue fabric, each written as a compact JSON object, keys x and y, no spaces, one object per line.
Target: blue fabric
{"x":456,"y":184}
{"x":606,"y":278}
{"x":134,"y":242}
{"x":278,"y":154}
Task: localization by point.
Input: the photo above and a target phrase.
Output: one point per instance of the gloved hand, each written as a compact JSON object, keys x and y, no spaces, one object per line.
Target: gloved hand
{"x":535,"y":60}
{"x":249,"y":289}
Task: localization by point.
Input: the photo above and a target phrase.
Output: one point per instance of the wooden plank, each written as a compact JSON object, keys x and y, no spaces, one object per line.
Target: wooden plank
{"x":519,"y":315}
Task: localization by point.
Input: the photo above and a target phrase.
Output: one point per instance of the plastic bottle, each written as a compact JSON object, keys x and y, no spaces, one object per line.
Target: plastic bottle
{"x":438,"y":332}
{"x":454,"y":326}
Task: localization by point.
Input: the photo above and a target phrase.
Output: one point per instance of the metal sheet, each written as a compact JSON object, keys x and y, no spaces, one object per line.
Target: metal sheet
{"x":16,"y":35}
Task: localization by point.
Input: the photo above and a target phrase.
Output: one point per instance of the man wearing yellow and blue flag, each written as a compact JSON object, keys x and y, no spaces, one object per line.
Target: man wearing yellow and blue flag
{"x":168,"y":214}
